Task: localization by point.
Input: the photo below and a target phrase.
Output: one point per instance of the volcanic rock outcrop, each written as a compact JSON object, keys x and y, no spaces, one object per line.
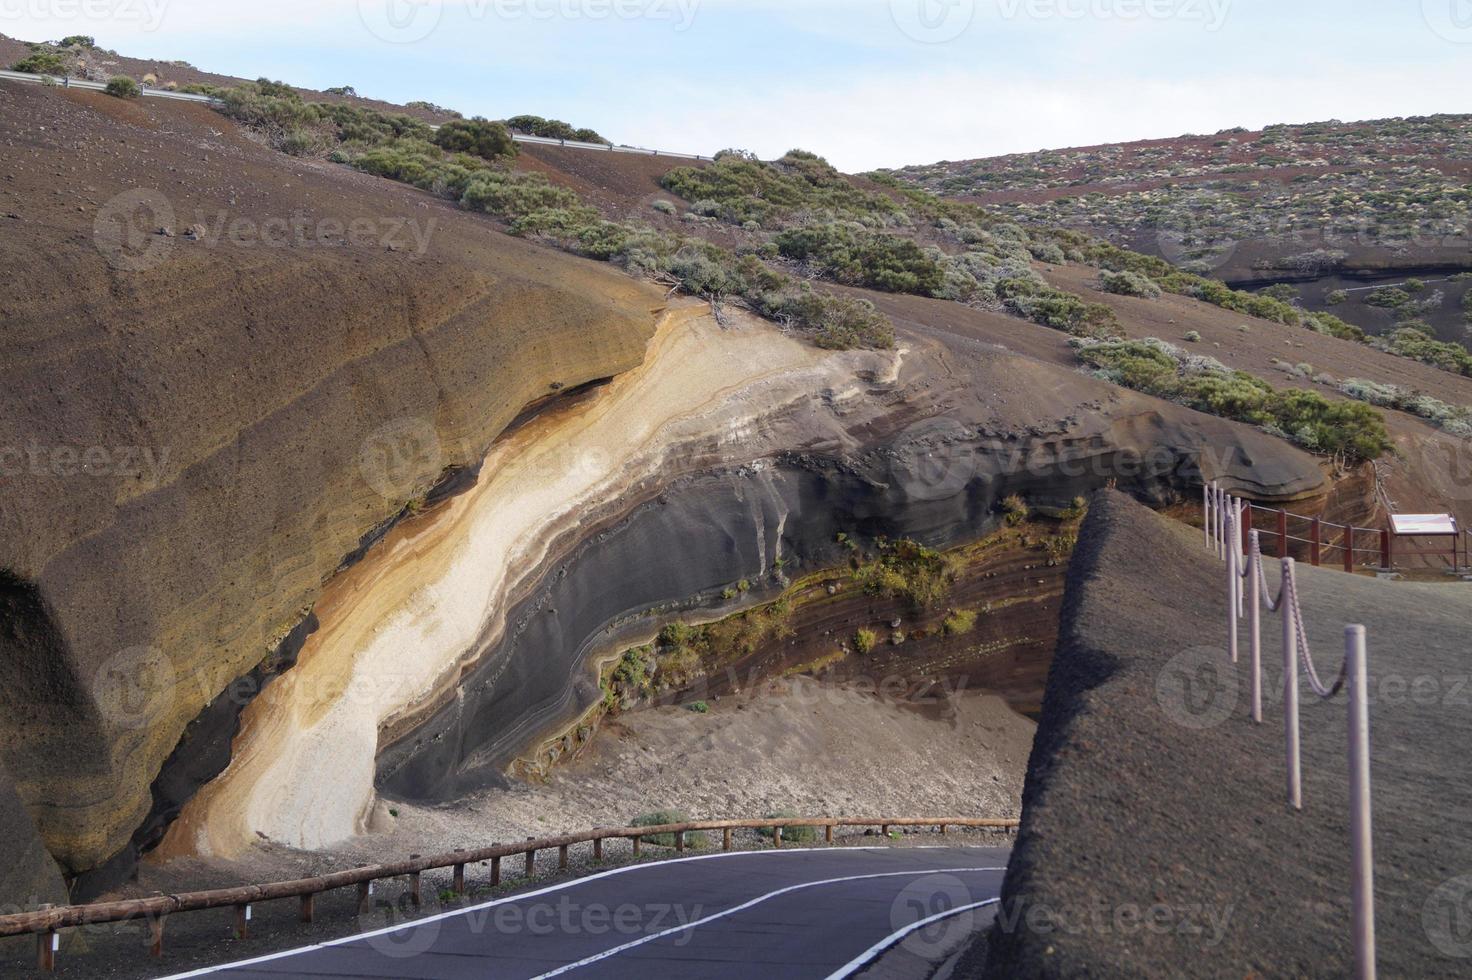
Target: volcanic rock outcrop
{"x":229,"y":464}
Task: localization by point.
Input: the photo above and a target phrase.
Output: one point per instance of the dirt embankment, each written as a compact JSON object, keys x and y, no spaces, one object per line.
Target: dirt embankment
{"x":1156,"y":840}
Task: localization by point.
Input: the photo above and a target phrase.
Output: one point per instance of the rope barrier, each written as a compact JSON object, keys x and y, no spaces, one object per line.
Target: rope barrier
{"x":1224,"y":528}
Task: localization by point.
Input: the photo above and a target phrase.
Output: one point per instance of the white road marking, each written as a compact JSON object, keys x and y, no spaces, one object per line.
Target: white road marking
{"x":872,"y":953}
{"x":205,"y":971}
{"x":746,"y":905}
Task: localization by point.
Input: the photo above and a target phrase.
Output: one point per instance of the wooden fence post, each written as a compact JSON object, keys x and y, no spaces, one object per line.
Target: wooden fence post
{"x":562,"y":858}
{"x":1386,"y":555}
{"x":1318,"y":539}
{"x":828,"y":834}
{"x":1282,"y":533}
{"x":46,"y":944}
{"x":156,"y":937}
{"x":495,"y":871}
{"x":416,"y":894}
{"x":1349,"y":549}
{"x":726,"y":839}
{"x":597,"y":848}
{"x":308,"y":910}
{"x":242,"y":921}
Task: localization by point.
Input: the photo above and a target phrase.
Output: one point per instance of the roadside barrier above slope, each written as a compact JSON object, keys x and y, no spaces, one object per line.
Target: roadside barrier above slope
{"x":1225,"y":524}
{"x":46,"y":923}
{"x":62,"y":81}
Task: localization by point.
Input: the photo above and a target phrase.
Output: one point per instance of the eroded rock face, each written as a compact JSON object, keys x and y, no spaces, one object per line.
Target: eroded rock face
{"x":470,"y":634}
{"x":192,"y":442}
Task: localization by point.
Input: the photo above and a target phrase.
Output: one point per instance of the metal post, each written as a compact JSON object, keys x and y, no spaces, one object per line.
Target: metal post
{"x":1349,"y":549}
{"x":1290,"y":690}
{"x":1234,"y":584}
{"x":1246,"y":524}
{"x":1359,"y":805}
{"x":1282,"y":533}
{"x":1206,"y":511}
{"x":1318,"y":538}
{"x":1254,"y":625}
{"x":1386,"y":556}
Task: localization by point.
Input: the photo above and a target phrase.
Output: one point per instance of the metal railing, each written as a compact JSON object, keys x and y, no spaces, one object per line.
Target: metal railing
{"x":63,"y":81}
{"x":1225,"y":526}
{"x":1321,"y":542}
{"x":47,"y":922}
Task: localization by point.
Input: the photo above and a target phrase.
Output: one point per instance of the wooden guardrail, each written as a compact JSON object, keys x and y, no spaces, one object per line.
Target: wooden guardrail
{"x":46,"y":923}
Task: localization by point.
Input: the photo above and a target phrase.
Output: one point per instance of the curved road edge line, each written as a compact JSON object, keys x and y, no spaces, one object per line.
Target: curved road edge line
{"x":468,"y":910}
{"x":749,"y":903}
{"x":872,"y":953}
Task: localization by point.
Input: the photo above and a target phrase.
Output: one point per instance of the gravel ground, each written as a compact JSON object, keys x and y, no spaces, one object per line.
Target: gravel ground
{"x":1156,"y":837}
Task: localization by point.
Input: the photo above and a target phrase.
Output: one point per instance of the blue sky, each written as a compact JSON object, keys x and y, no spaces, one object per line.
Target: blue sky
{"x":868,"y":83}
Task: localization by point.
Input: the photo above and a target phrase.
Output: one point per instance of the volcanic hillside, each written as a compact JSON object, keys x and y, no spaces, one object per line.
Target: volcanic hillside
{"x":1327,"y":208}
{"x":302,"y":396}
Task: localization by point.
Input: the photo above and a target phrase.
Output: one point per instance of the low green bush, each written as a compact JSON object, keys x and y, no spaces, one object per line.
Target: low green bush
{"x":477,"y":136}
{"x":694,"y":839}
{"x":123,"y":87}
{"x":1354,"y":431}
{"x":1128,"y":283}
{"x":1414,"y":343}
{"x":42,"y":63}
{"x":790,"y":835}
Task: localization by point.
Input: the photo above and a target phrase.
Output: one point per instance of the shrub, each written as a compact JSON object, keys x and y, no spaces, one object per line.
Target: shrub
{"x":699,"y":707}
{"x":790,"y":835}
{"x":864,"y":641}
{"x":478,"y":136}
{"x":149,"y":80}
{"x":1193,"y":337}
{"x":960,"y":622}
{"x":1336,"y":297}
{"x":1128,"y":284}
{"x":657,"y":818}
{"x":1352,"y":430}
{"x":347,"y":90}
{"x":1015,"y":510}
{"x":77,"y":41}
{"x":852,"y":254}
{"x":910,"y":570}
{"x":554,"y":129}
{"x":1412,"y":342}
{"x":42,"y":63}
{"x":1282,"y":292}
{"x":1055,"y":308}
{"x":665,"y":207}
{"x":123,"y":87}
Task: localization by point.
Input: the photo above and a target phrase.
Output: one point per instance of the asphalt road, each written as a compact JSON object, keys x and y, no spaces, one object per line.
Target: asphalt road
{"x":778,"y":914}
